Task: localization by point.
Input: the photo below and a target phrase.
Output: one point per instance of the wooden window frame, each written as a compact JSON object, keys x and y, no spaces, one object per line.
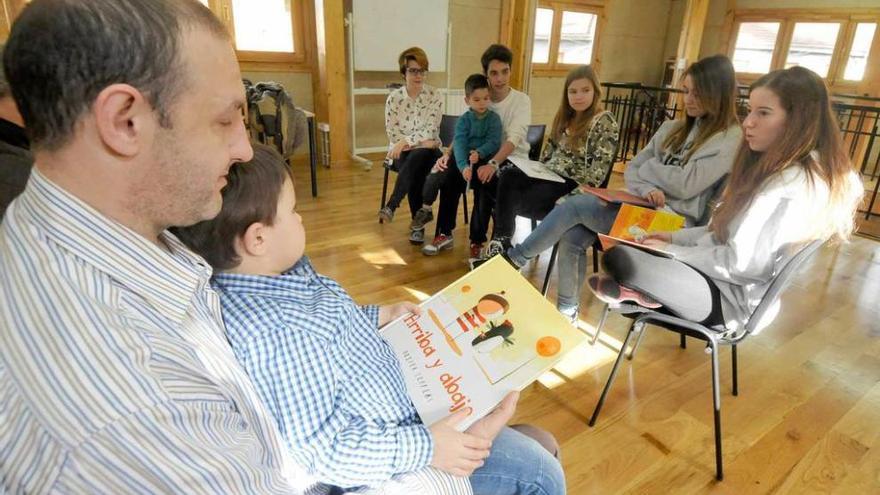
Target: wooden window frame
{"x":553,"y":67}
{"x":787,"y":19}
{"x":300,"y":60}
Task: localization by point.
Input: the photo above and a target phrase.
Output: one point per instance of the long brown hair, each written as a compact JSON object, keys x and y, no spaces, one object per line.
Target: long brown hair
{"x":714,"y":81}
{"x":566,"y":117}
{"x":809,"y":127}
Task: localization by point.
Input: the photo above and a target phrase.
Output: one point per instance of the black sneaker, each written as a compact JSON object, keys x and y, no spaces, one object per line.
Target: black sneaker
{"x":494,"y":248}
{"x":417,"y":236}
{"x":386,"y":215}
{"x":422,"y":217}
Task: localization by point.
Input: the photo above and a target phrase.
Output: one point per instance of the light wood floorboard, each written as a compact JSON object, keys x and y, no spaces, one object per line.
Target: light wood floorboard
{"x":807,"y":419}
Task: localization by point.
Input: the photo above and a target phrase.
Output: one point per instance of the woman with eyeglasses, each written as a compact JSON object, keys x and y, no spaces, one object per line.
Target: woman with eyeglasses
{"x":412,"y":122}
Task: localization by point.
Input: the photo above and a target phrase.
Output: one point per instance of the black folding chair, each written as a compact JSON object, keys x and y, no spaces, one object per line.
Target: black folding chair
{"x":713,"y":336}
{"x":447,"y":132}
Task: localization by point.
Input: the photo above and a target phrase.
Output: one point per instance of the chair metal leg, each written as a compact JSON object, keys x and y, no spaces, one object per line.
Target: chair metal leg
{"x":735,"y":374}
{"x":641,"y":330}
{"x":313,"y":156}
{"x":464,"y":200}
{"x":534,"y":226}
{"x":550,"y":264}
{"x":601,"y":323}
{"x":716,"y":403}
{"x":595,"y":259}
{"x":384,"y":192}
{"x":683,"y":342}
{"x":611,"y":377}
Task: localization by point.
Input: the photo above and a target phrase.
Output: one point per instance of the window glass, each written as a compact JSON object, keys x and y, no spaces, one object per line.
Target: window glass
{"x":858,"y":54}
{"x":812,"y":45}
{"x":576,"y":37}
{"x":754,"y":47}
{"x":543,"y":28}
{"x":263,"y":25}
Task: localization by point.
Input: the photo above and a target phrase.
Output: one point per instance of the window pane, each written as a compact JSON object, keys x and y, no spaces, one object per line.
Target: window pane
{"x":812,"y":45}
{"x":858,"y":55}
{"x":576,"y":38}
{"x":543,"y":26}
{"x":263,"y":25}
{"x":754,"y":47}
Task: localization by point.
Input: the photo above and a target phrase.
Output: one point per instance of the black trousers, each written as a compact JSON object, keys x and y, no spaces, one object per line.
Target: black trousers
{"x":683,"y":291}
{"x":413,"y":167}
{"x":453,"y":186}
{"x":519,"y":194}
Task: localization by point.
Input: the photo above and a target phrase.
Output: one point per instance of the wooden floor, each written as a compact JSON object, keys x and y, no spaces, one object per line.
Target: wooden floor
{"x":807,"y":418}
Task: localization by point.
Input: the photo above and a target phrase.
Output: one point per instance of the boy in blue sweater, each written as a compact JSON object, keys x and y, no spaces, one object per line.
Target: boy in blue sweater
{"x":332,"y":384}
{"x":477,"y":138}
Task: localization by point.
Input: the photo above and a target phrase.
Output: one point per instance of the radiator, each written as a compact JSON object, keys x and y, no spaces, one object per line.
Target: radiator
{"x":455,"y":104}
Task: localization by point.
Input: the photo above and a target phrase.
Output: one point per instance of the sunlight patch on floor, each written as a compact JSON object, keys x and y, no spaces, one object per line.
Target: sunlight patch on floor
{"x":388,"y":256}
{"x":421,"y":296}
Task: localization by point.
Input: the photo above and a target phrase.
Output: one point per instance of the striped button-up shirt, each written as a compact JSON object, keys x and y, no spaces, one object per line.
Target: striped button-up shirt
{"x":332,"y":384}
{"x":115,"y":376}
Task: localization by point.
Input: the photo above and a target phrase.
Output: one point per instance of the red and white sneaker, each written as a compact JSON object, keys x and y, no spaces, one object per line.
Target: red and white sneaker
{"x":609,"y":291}
{"x":476,"y":249}
{"x":440,"y":243}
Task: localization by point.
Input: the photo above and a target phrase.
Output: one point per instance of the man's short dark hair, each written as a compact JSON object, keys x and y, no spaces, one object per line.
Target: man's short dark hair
{"x":475,"y":82}
{"x":250,"y":196}
{"x":62,"y":53}
{"x":496,"y":52}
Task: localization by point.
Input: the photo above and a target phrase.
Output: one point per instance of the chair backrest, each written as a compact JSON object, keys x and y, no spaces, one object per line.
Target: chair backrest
{"x":535,"y":138}
{"x":714,"y":197}
{"x":608,"y":172}
{"x":778,"y":285}
{"x":447,"y":128}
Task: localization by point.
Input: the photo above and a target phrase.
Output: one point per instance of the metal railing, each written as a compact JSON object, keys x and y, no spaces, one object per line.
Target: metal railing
{"x":641,"y":109}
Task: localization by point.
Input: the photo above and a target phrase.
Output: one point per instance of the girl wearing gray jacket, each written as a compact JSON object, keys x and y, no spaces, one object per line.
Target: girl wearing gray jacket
{"x":791,"y":183}
{"x":679,"y":170}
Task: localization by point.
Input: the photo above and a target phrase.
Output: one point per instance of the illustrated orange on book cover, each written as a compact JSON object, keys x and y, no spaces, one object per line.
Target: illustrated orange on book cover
{"x":485,"y":335}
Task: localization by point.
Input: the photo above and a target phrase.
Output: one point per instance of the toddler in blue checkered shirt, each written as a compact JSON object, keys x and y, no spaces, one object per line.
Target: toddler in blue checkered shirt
{"x":333,"y":386}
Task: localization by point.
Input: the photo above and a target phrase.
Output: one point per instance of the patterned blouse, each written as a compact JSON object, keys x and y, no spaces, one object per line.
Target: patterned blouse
{"x":413,"y":119}
{"x":589,"y":163}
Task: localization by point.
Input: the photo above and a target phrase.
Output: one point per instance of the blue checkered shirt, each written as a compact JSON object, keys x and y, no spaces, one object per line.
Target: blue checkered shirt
{"x":332,"y":384}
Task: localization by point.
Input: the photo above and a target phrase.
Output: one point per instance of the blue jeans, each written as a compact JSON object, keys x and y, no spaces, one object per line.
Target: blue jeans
{"x":518,"y":465}
{"x":573,"y":224}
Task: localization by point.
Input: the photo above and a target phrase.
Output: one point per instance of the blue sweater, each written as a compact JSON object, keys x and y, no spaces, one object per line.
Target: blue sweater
{"x":476,"y":132}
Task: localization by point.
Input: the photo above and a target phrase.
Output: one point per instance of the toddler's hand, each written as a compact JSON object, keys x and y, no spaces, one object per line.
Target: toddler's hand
{"x":391,"y":312}
{"x":474,"y":157}
{"x":458,"y":454}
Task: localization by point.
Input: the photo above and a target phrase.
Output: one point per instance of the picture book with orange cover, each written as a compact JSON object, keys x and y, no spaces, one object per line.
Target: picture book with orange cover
{"x":633,"y":223}
{"x":485,"y":335}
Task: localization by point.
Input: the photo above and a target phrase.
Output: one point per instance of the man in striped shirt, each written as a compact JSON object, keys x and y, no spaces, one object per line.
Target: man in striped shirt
{"x":115,"y":376}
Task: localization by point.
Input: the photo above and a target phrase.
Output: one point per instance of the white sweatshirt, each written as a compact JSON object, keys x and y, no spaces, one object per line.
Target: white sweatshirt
{"x":763,"y":237}
{"x":515,"y":111}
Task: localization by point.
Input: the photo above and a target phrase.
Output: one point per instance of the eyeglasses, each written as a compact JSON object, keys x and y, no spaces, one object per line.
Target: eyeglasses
{"x":416,"y":72}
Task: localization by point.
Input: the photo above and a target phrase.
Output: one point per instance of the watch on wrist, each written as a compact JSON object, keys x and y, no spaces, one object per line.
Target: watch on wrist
{"x":493,"y":163}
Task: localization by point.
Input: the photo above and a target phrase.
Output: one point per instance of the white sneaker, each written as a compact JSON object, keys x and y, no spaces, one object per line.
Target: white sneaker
{"x":440,"y":243}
